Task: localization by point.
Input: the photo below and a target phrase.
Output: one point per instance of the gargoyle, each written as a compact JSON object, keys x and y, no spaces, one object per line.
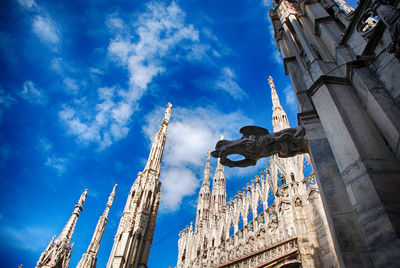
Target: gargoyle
{"x":257,"y":143}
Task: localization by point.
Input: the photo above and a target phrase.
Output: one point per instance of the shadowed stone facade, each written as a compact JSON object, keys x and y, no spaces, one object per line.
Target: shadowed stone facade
{"x":344,"y":67}
{"x":278,"y":218}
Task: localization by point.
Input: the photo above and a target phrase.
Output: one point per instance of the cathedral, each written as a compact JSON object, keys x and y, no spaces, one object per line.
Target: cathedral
{"x":277,"y":220}
{"x":344,"y":66}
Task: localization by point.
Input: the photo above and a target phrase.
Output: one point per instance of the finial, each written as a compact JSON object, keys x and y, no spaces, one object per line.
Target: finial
{"x":168,"y":112}
{"x":112,"y":196}
{"x":82,"y":198}
{"x":271,"y":81}
{"x":206,"y":180}
{"x":222,"y":137}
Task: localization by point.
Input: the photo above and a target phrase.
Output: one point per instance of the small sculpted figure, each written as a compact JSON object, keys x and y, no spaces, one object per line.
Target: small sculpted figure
{"x":257,"y":143}
{"x":390,"y":16}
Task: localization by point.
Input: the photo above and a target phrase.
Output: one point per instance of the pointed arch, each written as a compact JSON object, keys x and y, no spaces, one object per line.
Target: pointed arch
{"x":260,"y":206}
{"x":292,"y":179}
{"x":281,"y":179}
{"x":133,"y":194}
{"x":231,"y":229}
{"x":271,"y":198}
{"x":249,"y":214}
{"x":307,"y":167}
{"x":148,"y":200}
{"x":222,"y":239}
{"x":183,"y":255}
{"x":240,"y":223}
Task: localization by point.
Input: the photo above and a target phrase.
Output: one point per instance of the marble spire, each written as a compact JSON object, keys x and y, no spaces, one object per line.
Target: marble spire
{"x":89,"y":258}
{"x":218,"y":196}
{"x":58,"y":252}
{"x":206,"y":177}
{"x":279,"y":117}
{"x":203,"y":204}
{"x":157,"y":148}
{"x":134,"y":236}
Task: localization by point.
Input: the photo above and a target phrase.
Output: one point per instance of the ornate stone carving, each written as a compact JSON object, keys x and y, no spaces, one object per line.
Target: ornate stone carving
{"x":273,"y":221}
{"x":229,"y":244}
{"x":390,"y":16}
{"x":140,"y":213}
{"x":257,"y":143}
{"x":298,"y":203}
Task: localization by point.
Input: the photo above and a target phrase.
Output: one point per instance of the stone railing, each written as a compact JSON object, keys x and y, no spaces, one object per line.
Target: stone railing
{"x":260,"y":239}
{"x":277,"y":253}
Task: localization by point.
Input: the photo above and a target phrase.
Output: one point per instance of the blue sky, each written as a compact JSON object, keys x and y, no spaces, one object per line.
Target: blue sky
{"x":83,"y":87}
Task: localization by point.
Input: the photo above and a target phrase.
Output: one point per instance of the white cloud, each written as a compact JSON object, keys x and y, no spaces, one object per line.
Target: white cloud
{"x":156,"y":33}
{"x":58,"y":163}
{"x":31,"y":238}
{"x":114,"y":23}
{"x":266,"y":3}
{"x":5,"y":102}
{"x":96,"y":71}
{"x":290,"y":97}
{"x":177,"y":183}
{"x":191,"y":133}
{"x":142,"y":48}
{"x":27,"y":3}
{"x":57,"y":65}
{"x":32,"y":94}
{"x":227,"y":83}
{"x":45,"y":28}
{"x":71,"y":86}
{"x":276,"y":55}
{"x":109,"y":124}
{"x":5,"y":99}
{"x":158,"y":37}
{"x":45,"y":145}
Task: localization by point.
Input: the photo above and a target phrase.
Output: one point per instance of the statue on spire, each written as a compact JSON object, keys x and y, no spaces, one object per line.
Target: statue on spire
{"x":82,"y":198}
